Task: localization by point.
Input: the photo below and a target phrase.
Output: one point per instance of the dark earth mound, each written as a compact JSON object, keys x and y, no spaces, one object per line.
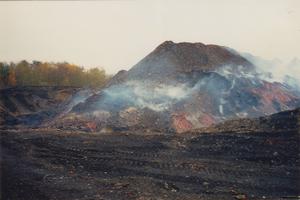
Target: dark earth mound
{"x":142,"y":136}
{"x":278,"y":122}
{"x":179,"y":87}
{"x":186,"y":86}
{"x":54,"y":164}
{"x":32,"y":106}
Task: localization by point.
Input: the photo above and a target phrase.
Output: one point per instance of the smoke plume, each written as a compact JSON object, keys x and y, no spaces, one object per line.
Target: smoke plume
{"x":287,"y":73}
{"x":157,"y":97}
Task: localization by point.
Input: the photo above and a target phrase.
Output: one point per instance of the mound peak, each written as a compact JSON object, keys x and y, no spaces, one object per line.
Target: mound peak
{"x":201,"y":56}
{"x":169,"y":58}
{"x":185,"y":86}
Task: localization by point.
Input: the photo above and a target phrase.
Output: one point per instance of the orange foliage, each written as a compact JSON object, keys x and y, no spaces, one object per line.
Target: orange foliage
{"x":50,"y":74}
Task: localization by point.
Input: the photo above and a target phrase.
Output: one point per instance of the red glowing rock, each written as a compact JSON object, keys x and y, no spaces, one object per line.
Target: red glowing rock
{"x":180,"y":123}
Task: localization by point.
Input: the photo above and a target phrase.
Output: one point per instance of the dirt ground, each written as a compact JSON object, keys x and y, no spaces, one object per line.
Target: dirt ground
{"x":53,"y":164}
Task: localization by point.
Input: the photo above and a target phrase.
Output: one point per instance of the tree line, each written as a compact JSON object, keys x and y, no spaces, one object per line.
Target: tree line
{"x":50,"y":74}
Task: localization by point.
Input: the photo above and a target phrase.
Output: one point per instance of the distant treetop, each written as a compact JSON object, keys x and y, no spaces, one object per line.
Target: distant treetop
{"x":50,"y":74}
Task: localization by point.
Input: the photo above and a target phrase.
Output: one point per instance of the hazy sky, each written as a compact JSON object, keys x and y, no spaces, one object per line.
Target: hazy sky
{"x":117,"y":34}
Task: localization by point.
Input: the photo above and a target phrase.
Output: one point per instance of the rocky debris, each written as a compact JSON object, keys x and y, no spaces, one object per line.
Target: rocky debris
{"x":34,"y":105}
{"x":130,"y":116}
{"x":27,"y":100}
{"x":177,"y":88}
{"x":181,"y":123}
{"x":119,"y":78}
{"x":283,"y":121}
{"x":170,"y":186}
{"x":184,"y":86}
{"x":274,"y":97}
{"x":171,"y":61}
{"x":241,"y":197}
{"x":61,"y":164}
{"x":7,"y":117}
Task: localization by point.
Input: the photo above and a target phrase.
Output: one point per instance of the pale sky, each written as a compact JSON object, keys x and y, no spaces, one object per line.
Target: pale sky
{"x":117,"y":34}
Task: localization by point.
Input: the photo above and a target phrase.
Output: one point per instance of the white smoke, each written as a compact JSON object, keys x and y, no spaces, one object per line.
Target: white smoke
{"x":229,"y":72}
{"x":277,"y":71}
{"x":77,"y":98}
{"x":157,"y":97}
{"x":219,"y":83}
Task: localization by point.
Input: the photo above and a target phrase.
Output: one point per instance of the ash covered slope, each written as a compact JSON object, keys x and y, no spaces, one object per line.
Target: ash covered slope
{"x":183,"y":86}
{"x":31,"y":106}
{"x":171,"y":62}
{"x":279,"y":122}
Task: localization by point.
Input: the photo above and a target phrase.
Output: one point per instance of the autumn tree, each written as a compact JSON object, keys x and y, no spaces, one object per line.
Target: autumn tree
{"x":4,"y":71}
{"x":50,"y":74}
{"x":23,"y":73}
{"x":96,"y":77}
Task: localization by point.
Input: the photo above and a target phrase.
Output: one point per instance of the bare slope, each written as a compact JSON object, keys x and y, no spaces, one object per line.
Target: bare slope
{"x":180,"y":87}
{"x":53,"y":164}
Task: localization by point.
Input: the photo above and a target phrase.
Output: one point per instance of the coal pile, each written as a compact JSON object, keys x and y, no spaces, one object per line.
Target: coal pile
{"x":181,"y":87}
{"x":32,"y":106}
{"x":279,"y":122}
{"x":61,"y":164}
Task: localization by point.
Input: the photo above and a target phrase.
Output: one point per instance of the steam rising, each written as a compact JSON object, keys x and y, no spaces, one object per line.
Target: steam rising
{"x":277,"y":71}
{"x":198,"y":99}
{"x":219,"y":84}
{"x":157,"y":97}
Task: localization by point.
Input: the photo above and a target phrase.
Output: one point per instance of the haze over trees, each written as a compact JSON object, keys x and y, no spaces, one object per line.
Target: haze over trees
{"x":50,"y":74}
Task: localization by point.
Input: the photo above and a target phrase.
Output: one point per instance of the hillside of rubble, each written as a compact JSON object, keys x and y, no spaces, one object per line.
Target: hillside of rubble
{"x":58,"y":164}
{"x":177,"y":88}
{"x":32,"y":106}
{"x":279,"y":122}
{"x":181,"y":87}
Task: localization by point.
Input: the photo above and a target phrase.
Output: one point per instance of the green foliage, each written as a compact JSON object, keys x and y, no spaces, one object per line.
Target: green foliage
{"x":50,"y":74}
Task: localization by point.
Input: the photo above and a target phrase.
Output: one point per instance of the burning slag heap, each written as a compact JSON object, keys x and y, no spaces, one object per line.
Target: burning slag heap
{"x":179,"y":87}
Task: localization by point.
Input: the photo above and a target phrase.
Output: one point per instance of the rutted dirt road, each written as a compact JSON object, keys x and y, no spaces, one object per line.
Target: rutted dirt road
{"x":51,"y":164}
